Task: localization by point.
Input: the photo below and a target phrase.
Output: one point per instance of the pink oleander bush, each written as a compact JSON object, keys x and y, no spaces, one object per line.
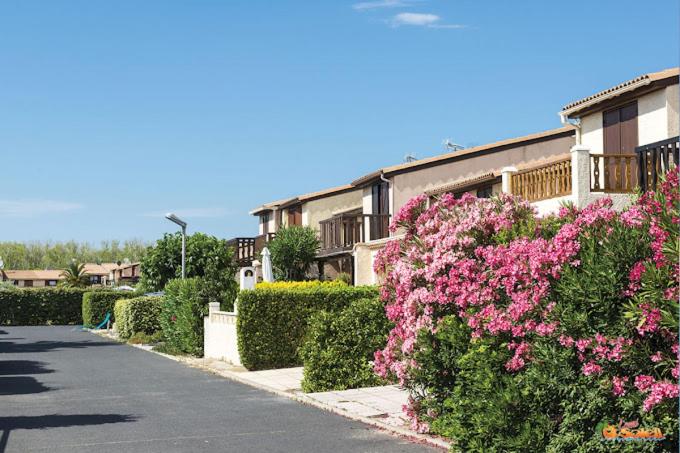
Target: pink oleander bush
{"x":518,"y":333}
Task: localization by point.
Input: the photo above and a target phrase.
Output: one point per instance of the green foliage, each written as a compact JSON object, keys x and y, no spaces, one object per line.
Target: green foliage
{"x":74,"y":276}
{"x":338,"y":350}
{"x":206,"y":257}
{"x":145,"y":338}
{"x":139,"y":314}
{"x":40,"y":306}
{"x":97,"y":303}
{"x":467,"y":395}
{"x":345,"y":278}
{"x":58,"y":255}
{"x":272,"y":323}
{"x":293,"y":251}
{"x":184,"y":307}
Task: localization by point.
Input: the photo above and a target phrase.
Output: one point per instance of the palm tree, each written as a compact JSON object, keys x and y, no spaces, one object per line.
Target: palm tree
{"x":74,"y":275}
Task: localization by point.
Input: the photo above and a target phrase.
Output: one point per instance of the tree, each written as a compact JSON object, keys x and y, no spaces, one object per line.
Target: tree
{"x":206,"y":256}
{"x":293,"y":252}
{"x":74,"y":276}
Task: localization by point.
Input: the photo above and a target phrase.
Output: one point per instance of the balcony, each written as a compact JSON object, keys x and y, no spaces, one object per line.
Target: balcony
{"x":546,"y":181}
{"x":247,"y":249}
{"x":655,"y":159}
{"x":341,"y":232}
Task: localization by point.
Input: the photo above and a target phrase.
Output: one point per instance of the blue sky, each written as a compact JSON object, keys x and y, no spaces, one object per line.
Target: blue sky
{"x":112,"y":113}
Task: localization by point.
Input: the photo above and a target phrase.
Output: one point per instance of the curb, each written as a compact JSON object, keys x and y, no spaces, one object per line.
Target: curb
{"x":299,"y":397}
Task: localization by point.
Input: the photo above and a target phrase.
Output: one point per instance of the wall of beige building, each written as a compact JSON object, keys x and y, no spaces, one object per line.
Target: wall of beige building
{"x":410,"y":184}
{"x":315,"y":211}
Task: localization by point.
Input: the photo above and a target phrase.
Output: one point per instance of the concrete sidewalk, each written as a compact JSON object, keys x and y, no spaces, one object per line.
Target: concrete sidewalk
{"x":380,"y":407}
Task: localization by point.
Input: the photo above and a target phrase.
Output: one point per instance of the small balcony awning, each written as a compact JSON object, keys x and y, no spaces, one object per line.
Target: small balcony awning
{"x":463,"y":184}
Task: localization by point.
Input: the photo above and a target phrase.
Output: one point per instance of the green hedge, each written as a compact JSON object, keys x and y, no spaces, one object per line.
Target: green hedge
{"x":139,"y":314}
{"x":97,"y":303}
{"x":184,"y":307}
{"x":41,"y":306}
{"x":272,"y":323}
{"x":339,"y":347}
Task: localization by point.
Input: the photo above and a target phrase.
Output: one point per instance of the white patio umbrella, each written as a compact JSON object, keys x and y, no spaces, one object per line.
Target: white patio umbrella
{"x":267,"y":272}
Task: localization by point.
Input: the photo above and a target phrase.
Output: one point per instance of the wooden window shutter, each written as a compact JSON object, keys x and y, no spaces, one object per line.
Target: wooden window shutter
{"x":629,"y":129}
{"x":612,"y":133}
{"x":620,"y":129}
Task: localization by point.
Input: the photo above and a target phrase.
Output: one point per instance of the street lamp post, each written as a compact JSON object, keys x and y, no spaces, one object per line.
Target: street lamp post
{"x":174,"y":219}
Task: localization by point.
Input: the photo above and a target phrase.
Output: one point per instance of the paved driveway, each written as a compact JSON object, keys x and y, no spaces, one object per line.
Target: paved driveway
{"x":64,"y":390}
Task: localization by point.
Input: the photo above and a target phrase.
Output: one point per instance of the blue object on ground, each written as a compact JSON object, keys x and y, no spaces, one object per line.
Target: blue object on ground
{"x":103,"y":323}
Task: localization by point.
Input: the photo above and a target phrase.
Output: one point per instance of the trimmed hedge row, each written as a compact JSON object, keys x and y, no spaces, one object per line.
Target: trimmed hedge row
{"x":182,"y":314}
{"x":339,"y":347}
{"x":41,"y":306}
{"x":97,"y":303}
{"x":272,"y":323}
{"x":139,"y":314}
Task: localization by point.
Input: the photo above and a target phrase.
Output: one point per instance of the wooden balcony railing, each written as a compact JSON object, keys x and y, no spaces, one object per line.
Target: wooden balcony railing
{"x":341,"y":232}
{"x":248,"y":249}
{"x":655,"y":159}
{"x":546,"y":181}
{"x":613,"y":173}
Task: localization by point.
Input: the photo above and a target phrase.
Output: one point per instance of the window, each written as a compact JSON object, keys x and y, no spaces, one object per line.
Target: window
{"x":28,"y":283}
{"x":620,"y":129}
{"x":380,"y":206}
{"x":95,"y":279}
{"x":264,"y":218}
{"x":484,"y":192}
{"x":295,"y":215}
{"x":51,"y":283}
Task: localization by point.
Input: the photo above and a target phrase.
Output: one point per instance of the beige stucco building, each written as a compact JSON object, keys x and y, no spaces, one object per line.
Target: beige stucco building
{"x":594,"y":154}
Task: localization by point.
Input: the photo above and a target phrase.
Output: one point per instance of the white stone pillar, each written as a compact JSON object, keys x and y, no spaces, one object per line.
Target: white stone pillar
{"x":580,"y":175}
{"x":247,"y":278}
{"x":506,"y":179}
{"x":213,"y":307}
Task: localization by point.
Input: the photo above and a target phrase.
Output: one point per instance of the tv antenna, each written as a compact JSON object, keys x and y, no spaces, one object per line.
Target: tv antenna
{"x":449,"y":145}
{"x":410,"y":158}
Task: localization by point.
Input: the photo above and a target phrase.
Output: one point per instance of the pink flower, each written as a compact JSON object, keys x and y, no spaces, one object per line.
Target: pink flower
{"x":618,"y":385}
{"x":650,"y":319}
{"x":591,"y":368}
{"x":657,"y":357}
{"x":643,"y":382}
{"x":566,"y":341}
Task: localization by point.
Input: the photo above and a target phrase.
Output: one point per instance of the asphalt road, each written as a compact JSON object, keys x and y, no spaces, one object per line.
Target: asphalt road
{"x":64,"y":390}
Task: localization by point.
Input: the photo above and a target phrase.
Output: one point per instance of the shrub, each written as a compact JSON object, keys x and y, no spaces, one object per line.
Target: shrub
{"x":206,"y":256}
{"x":184,"y":308}
{"x":145,"y":338}
{"x":339,"y":347}
{"x":41,"y":306}
{"x":300,"y":285}
{"x":514,"y":333}
{"x":344,"y":277}
{"x":139,"y":314}
{"x":96,"y":304}
{"x":293,"y":251}
{"x":272,"y":323}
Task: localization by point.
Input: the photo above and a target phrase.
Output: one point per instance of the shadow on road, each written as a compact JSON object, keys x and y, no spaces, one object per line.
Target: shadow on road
{"x":21,"y":385}
{"x":10,"y":367}
{"x":8,"y":424}
{"x":10,"y":347}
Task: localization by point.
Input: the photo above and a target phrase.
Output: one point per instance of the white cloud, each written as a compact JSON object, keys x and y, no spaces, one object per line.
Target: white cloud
{"x":421,"y":20}
{"x":363,"y":6}
{"x":191,"y":213}
{"x":32,"y":208}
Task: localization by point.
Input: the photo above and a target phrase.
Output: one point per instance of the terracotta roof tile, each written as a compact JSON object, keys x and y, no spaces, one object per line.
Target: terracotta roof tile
{"x":626,"y":86}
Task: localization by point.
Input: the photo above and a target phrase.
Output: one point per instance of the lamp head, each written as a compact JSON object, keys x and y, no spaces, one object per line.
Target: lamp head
{"x":174,"y":219}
